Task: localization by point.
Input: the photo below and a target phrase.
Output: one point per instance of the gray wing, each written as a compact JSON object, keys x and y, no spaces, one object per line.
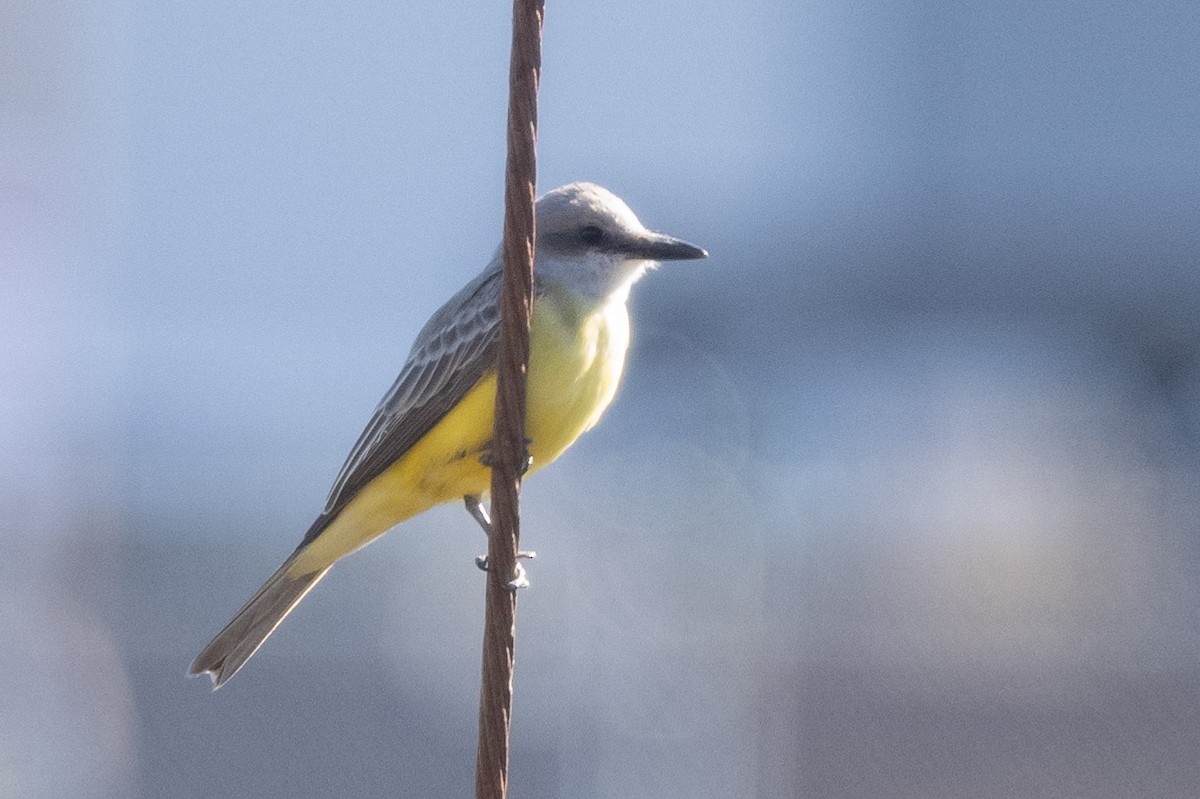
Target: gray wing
{"x":454,"y":349}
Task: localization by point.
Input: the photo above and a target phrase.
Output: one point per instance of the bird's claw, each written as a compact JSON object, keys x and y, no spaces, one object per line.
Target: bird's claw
{"x":519,"y":580}
{"x":485,"y":457}
{"x":479,"y":514}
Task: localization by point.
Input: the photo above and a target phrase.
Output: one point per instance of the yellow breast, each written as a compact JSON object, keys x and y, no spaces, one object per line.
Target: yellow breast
{"x":577,"y":354}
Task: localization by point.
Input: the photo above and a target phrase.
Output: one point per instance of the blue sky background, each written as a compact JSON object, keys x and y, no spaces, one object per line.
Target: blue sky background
{"x":898,"y":497}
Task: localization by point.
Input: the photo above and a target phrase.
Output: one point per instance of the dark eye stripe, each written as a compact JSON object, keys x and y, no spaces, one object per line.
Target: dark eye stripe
{"x":591,"y":234}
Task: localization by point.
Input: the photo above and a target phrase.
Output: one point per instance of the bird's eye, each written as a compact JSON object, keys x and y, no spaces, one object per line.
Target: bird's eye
{"x":591,"y":234}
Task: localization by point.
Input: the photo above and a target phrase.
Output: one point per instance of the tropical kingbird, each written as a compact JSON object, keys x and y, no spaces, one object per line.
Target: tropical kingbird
{"x":428,"y":440}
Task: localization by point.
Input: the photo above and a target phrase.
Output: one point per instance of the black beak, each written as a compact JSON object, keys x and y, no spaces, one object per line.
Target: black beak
{"x":661,"y":247}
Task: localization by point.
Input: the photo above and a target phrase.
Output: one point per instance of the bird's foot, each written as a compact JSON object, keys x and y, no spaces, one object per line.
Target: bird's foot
{"x":485,"y":457}
{"x":519,"y":580}
{"x":479,"y":513}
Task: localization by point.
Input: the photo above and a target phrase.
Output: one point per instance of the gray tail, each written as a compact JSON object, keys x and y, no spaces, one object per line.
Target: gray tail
{"x":242,"y":637}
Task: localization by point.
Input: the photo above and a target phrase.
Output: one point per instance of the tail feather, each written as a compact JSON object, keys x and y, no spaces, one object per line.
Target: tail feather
{"x":242,"y":637}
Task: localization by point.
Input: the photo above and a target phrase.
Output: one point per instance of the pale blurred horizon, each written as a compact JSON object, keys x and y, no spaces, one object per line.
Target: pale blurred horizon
{"x":899,"y":496}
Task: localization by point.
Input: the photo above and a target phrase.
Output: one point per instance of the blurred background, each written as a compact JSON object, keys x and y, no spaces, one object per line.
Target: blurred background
{"x":901,"y":494}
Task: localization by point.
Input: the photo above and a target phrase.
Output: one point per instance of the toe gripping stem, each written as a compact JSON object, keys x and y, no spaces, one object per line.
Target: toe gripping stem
{"x":480,"y":515}
{"x":485,"y":457}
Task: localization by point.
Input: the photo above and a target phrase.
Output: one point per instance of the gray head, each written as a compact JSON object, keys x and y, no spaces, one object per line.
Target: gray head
{"x":587,"y":236}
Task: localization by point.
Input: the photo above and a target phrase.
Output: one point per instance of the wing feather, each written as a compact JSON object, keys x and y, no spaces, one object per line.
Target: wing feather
{"x":454,"y":349}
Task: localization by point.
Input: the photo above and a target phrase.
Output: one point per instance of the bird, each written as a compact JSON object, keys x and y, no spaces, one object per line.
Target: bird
{"x":427,"y":442}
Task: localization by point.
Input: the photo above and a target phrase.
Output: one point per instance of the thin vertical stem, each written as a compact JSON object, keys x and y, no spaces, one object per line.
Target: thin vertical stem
{"x":508,"y":438}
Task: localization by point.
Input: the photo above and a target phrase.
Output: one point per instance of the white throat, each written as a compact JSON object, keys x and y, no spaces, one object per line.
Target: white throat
{"x":598,"y":277}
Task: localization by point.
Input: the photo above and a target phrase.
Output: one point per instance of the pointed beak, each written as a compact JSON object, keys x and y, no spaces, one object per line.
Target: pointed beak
{"x":653,"y":246}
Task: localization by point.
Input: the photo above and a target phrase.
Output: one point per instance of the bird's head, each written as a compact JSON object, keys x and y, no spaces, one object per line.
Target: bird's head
{"x":588,"y":236}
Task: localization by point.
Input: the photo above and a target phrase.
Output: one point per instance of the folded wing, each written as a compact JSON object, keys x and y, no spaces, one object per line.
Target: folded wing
{"x":452,"y":352}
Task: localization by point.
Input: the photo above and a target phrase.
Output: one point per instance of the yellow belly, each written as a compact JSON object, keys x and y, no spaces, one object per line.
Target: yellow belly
{"x":577,"y":353}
